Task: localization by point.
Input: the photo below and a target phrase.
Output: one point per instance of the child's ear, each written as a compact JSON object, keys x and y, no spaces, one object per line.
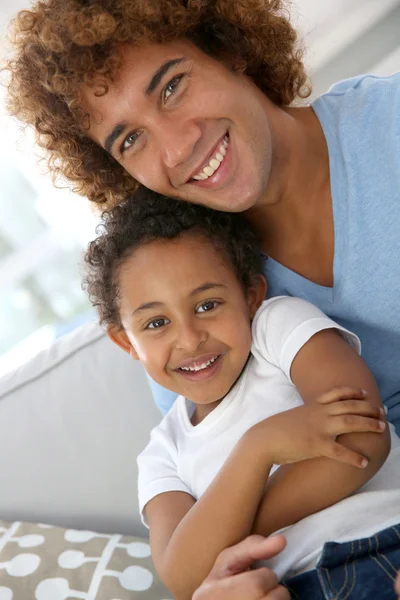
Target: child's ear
{"x":256,"y":294}
{"x":119,"y":337}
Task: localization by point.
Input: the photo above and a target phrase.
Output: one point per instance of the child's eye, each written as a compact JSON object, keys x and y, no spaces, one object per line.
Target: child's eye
{"x":129,"y":141}
{"x":171,"y":87}
{"x":157,"y":323}
{"x":207,"y":306}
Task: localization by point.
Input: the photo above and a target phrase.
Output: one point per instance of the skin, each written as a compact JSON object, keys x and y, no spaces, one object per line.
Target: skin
{"x":192,"y":308}
{"x":230,"y":578}
{"x":276,"y":168}
{"x":192,"y":299}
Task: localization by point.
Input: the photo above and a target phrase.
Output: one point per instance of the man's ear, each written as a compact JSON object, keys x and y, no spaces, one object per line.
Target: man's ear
{"x":239,"y":65}
{"x":119,"y":337}
{"x":256,"y":294}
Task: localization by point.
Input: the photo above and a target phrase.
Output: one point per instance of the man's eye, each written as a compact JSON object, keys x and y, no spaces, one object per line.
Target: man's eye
{"x":157,"y":323}
{"x":207,"y":306}
{"x":171,"y":87}
{"x":129,"y":141}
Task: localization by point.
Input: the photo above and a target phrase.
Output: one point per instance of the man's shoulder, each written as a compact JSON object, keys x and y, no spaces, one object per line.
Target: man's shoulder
{"x":360,"y":101}
{"x":363,"y":85}
{"x":362,"y":115}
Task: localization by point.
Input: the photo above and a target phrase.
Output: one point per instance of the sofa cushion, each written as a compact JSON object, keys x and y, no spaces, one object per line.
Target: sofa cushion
{"x":50,"y":563}
{"x":72,"y":421}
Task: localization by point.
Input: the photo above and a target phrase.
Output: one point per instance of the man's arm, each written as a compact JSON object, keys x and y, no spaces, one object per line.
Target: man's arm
{"x":326,"y":360}
{"x":231,"y":579}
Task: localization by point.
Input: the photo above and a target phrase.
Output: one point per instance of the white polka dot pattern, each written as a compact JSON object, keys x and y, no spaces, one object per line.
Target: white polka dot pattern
{"x":66,"y":564}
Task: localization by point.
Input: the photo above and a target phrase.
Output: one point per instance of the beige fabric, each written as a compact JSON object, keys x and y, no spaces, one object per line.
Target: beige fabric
{"x":40,"y":562}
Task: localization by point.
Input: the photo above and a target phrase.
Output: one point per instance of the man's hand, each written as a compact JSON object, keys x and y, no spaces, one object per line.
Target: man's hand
{"x":231,"y":579}
{"x":397,"y":585}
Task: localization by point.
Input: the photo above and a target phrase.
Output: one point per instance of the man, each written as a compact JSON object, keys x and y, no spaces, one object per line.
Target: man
{"x":230,"y":578}
{"x":193,"y":99}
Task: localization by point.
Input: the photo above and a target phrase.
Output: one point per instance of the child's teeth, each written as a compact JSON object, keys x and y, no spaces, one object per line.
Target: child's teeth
{"x":219,"y":157}
{"x":199,"y":368}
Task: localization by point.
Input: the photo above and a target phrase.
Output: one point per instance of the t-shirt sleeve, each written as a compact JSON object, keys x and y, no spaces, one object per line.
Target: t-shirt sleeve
{"x":157,"y":468}
{"x":283,"y":325}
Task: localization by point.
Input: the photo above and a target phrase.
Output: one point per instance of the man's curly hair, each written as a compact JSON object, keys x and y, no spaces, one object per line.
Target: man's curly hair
{"x":60,"y":44}
{"x":150,"y":217}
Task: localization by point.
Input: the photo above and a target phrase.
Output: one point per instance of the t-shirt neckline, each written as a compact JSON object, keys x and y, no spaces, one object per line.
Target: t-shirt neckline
{"x":231,"y":400}
{"x":339,"y":201}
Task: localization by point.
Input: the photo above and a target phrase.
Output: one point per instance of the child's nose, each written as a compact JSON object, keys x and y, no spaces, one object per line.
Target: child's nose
{"x":190,"y":338}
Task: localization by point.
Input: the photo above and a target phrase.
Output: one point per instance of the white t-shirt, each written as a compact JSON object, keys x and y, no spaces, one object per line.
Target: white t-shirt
{"x":186,"y":458}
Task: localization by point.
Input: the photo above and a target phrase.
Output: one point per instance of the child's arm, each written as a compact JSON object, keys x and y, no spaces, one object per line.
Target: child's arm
{"x":187,"y":536}
{"x":326,"y":360}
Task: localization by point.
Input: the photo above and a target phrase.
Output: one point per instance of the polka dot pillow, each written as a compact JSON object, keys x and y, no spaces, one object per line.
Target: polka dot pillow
{"x":41,"y":562}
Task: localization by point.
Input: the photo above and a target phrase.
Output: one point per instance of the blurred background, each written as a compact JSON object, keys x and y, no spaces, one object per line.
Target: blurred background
{"x":43,"y":230}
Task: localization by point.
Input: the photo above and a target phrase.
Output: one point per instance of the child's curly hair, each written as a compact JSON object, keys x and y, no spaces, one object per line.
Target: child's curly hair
{"x":58,"y":44}
{"x":151,"y":217}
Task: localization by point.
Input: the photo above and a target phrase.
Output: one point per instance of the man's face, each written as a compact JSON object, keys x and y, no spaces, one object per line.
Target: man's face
{"x":185,"y":125}
{"x":186,"y":316}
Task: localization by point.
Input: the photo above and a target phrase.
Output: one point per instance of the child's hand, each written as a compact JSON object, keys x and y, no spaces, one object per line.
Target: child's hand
{"x":310,"y":431}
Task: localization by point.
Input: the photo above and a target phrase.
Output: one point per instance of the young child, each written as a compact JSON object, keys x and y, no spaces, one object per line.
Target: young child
{"x":260,"y":383}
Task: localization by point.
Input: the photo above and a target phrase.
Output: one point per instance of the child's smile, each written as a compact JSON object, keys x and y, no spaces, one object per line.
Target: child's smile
{"x":201,"y":367}
{"x":187,"y":316}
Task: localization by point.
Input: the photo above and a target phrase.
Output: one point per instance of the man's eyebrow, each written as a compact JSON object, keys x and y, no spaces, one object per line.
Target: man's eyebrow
{"x":159,"y":74}
{"x":205,"y":287}
{"x":116,"y":132}
{"x":153,"y":84}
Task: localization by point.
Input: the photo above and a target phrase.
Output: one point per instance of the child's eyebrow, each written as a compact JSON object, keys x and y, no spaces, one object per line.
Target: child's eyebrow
{"x":205,"y":287}
{"x":146,"y":306}
{"x":202,"y":288}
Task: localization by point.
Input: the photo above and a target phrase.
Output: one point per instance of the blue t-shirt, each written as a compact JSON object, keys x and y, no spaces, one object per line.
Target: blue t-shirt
{"x":361,"y":121}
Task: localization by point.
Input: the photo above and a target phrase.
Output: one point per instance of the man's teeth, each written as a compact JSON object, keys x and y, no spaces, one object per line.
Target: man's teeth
{"x":214,"y":163}
{"x":200,"y":367}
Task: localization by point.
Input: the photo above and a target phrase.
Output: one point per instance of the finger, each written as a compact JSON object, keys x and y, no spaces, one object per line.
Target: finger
{"x":341,"y":424}
{"x":280,"y":593}
{"x":342,"y":393}
{"x":397,"y":585}
{"x":356,"y":407}
{"x":343,"y":454}
{"x":252,"y":585}
{"x":240,"y":557}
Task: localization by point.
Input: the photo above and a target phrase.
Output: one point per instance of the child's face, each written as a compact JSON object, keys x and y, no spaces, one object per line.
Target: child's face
{"x":186,"y":316}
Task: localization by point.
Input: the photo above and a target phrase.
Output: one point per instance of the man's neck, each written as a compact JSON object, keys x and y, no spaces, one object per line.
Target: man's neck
{"x":295,"y":216}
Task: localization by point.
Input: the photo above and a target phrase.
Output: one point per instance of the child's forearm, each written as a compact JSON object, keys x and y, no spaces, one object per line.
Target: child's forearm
{"x":223,"y":516}
{"x":298,"y":490}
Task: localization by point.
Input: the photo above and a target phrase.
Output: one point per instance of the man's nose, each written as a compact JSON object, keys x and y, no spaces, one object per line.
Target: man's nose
{"x":178,"y":141}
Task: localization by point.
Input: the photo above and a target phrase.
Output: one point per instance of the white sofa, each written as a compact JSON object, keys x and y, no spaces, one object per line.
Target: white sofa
{"x":72,"y":422}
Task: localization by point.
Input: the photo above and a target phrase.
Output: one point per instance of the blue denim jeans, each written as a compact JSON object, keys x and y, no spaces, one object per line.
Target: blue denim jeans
{"x":359,"y":570}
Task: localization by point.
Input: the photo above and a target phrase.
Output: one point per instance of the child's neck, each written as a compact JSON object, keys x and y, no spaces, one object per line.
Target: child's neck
{"x":201,"y":411}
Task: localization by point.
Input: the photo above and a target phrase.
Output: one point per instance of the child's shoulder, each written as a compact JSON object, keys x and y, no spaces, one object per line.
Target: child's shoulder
{"x":170,"y":427}
{"x":283,"y":307}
